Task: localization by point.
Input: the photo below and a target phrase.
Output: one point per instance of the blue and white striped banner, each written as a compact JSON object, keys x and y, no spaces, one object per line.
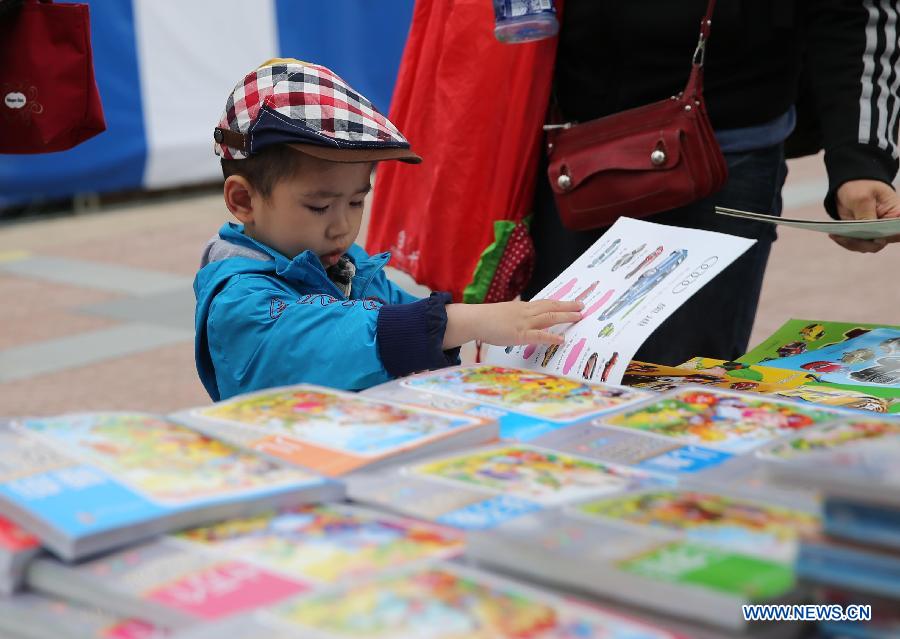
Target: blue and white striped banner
{"x":165,"y":67}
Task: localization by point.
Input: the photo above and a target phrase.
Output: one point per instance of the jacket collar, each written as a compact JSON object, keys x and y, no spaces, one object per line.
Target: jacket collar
{"x":306,"y":267}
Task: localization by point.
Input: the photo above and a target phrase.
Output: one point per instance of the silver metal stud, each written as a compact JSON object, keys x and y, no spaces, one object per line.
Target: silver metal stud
{"x":564,"y":181}
{"x":687,"y":107}
{"x":658,"y":157}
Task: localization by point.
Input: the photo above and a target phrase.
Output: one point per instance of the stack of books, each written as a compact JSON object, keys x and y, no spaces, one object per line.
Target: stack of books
{"x":856,"y":556}
{"x":698,"y":554}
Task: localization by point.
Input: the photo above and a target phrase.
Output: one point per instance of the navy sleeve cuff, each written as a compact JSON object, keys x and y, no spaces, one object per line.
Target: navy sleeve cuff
{"x":410,"y":336}
{"x":856,"y":162}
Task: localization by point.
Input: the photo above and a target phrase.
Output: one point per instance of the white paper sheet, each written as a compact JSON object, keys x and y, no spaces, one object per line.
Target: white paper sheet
{"x":630,"y":280}
{"x":858,"y":229}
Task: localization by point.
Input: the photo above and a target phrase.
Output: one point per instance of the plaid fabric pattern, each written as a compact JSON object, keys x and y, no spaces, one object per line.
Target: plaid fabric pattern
{"x":312,"y":98}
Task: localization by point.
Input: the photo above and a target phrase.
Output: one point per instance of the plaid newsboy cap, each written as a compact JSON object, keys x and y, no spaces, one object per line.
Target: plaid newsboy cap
{"x":309,"y":108}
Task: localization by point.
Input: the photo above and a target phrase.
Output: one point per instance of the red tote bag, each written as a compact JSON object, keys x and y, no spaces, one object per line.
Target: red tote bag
{"x":49,"y":96}
{"x":473,"y":108}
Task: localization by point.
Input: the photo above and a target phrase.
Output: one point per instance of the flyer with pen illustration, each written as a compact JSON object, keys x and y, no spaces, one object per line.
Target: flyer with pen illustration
{"x":630,"y":281}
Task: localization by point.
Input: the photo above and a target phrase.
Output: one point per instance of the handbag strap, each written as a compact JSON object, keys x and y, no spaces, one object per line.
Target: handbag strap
{"x":694,"y":88}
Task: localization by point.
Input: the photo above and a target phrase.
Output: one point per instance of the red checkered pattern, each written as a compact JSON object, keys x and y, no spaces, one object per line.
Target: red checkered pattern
{"x":311,"y":97}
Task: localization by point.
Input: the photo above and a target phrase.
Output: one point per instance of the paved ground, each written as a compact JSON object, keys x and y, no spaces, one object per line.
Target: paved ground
{"x":97,"y":309}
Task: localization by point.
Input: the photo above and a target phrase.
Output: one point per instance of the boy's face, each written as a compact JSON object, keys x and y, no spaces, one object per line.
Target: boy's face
{"x":319,"y":209}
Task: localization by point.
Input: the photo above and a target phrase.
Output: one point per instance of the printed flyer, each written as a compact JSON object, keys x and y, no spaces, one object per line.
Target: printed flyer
{"x":630,"y":281}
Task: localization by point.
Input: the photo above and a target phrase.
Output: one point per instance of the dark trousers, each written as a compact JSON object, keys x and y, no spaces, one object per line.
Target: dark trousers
{"x":717,"y":320}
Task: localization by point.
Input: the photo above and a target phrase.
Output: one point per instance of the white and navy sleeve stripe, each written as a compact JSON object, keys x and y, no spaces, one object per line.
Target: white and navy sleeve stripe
{"x":880,"y":82}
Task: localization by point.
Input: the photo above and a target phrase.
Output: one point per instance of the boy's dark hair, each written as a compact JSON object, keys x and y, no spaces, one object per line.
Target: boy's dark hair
{"x":266,"y":168}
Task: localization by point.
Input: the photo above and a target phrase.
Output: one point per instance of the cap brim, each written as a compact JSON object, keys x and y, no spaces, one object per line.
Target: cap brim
{"x":356,"y":155}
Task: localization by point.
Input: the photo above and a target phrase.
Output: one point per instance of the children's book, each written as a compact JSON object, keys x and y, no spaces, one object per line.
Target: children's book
{"x":861,"y":522}
{"x":332,"y":432}
{"x":865,"y":472}
{"x":884,"y":624}
{"x":437,"y":601}
{"x":694,"y":554}
{"x":659,"y":378}
{"x":235,"y":566}
{"x":830,"y":436}
{"x":730,"y":422}
{"x":871,"y":359}
{"x":630,"y":281}
{"x":17,"y":548}
{"x":799,"y":337}
{"x":525,"y":403}
{"x":29,"y":615}
{"x":486,"y":486}
{"x":749,"y":372}
{"x":86,"y":483}
{"x":838,"y":563}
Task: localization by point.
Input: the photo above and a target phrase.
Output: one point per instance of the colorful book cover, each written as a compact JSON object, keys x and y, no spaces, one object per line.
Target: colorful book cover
{"x":730,"y":422}
{"x":835,"y":396}
{"x":449,"y":602}
{"x":830,"y":437}
{"x":752,"y":578}
{"x":659,"y":378}
{"x":656,"y":567}
{"x":746,"y":526}
{"x":526,"y":472}
{"x":748,"y":372}
{"x":239,"y":565}
{"x":328,"y":543}
{"x":38,"y":616}
{"x":329,"y":431}
{"x":84,"y":481}
{"x":797,"y":337}
{"x":871,"y":359}
{"x":482,"y":488}
{"x":530,"y":392}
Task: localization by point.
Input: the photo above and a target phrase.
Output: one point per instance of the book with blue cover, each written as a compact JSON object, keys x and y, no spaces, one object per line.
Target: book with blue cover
{"x":86,"y":483}
{"x":834,"y":562}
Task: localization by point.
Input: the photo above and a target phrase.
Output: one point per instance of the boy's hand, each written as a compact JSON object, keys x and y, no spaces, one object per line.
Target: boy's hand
{"x":509,"y":323}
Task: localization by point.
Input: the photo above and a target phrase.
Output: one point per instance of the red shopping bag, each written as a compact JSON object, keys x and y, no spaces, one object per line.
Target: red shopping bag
{"x":473,"y":108}
{"x":48,"y":96}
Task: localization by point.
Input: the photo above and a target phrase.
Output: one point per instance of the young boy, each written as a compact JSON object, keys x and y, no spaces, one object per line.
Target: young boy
{"x":286,"y":296}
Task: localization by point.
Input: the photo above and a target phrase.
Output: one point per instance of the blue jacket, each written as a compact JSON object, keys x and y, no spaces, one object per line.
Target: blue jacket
{"x":265,"y":320}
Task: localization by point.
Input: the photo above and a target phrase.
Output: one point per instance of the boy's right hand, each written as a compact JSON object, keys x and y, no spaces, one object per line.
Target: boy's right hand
{"x":509,"y":323}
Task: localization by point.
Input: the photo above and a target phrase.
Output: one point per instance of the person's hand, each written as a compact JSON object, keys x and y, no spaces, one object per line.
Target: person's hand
{"x":866,"y":200}
{"x":509,"y":323}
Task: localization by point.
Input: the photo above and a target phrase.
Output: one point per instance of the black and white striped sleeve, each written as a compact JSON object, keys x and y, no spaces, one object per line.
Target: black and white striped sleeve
{"x":853,"y":62}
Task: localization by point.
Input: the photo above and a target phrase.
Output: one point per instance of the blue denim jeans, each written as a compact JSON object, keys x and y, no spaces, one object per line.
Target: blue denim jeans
{"x":717,"y":320}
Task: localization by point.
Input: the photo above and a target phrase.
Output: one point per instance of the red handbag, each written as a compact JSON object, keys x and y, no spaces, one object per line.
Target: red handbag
{"x":637,"y":162}
{"x":48,"y":96}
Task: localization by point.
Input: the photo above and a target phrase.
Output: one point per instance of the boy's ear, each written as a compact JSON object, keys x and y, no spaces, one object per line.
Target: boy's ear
{"x":239,"y":195}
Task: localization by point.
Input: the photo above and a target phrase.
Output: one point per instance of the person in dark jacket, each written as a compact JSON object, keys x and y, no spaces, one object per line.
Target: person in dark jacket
{"x":780,"y":74}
